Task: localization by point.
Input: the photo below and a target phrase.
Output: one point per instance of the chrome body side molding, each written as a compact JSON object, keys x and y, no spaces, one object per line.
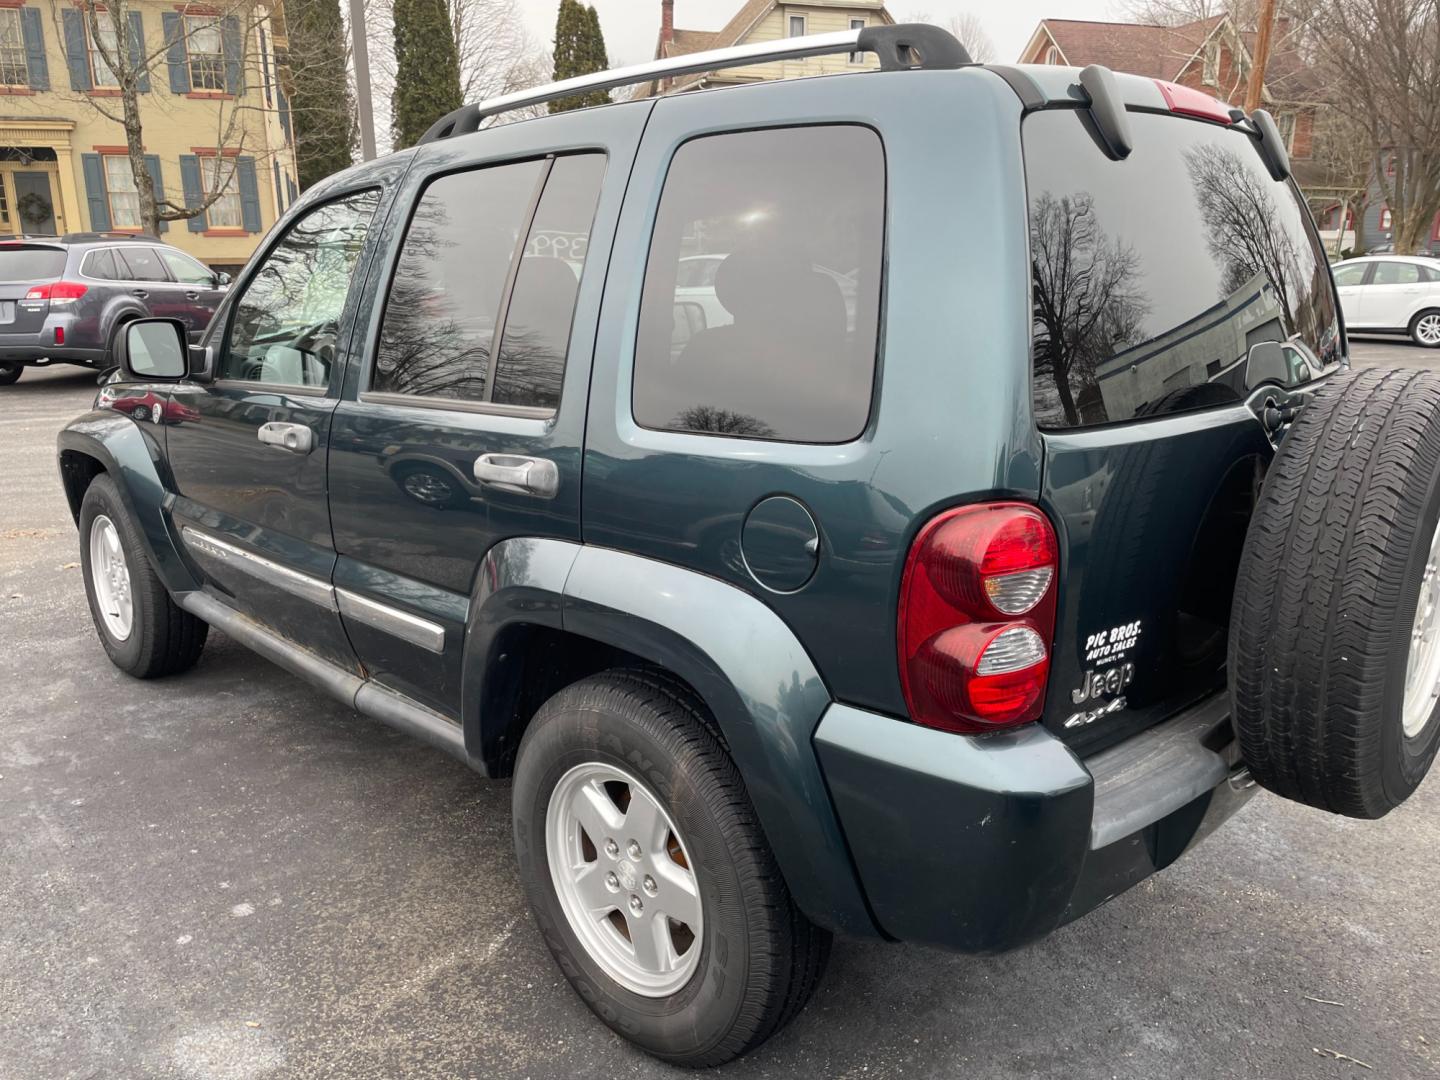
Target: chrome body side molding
{"x":213,"y":549}
{"x":393,"y":621}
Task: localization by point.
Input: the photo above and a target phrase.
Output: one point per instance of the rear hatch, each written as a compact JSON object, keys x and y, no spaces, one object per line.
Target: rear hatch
{"x":23,"y":266}
{"x":1175,"y":292}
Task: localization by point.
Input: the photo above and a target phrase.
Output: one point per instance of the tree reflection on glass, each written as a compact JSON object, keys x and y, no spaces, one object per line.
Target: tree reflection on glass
{"x":721,"y":422}
{"x":1086,"y":304}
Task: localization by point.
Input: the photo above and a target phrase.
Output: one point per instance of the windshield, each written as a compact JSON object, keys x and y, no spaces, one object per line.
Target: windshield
{"x":26,"y":262}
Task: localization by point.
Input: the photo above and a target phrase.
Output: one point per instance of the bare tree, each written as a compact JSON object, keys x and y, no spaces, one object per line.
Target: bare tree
{"x":105,"y":53}
{"x":1342,"y":158}
{"x":967,"y":28}
{"x":1383,"y":57}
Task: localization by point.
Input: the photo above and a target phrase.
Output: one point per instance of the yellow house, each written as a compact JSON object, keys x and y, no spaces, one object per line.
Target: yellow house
{"x":767,"y":20}
{"x":213,"y":113}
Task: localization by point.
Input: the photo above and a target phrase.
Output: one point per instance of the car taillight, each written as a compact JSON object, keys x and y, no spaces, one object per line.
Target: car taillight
{"x":977,"y":613}
{"x":57,"y":292}
{"x":1188,"y":101}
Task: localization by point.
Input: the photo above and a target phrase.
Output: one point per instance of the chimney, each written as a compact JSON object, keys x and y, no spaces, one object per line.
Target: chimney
{"x":667,"y":23}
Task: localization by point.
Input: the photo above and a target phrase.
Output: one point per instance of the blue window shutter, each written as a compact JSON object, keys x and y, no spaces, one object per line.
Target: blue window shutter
{"x":279,"y":195}
{"x":35,"y":48}
{"x":194,"y":191}
{"x":265,"y":64}
{"x":284,"y":112}
{"x":230,"y":42}
{"x":152,"y":163}
{"x":94,"y":170}
{"x":75,"y":56}
{"x":249,"y":194}
{"x":291,"y":190}
{"x":137,"y":51}
{"x":175,"y":57}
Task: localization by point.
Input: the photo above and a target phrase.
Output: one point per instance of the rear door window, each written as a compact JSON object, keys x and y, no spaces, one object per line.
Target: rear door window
{"x":772,"y":335}
{"x":141,"y":264}
{"x":23,"y":262}
{"x":1155,"y":277}
{"x":1397,"y":273}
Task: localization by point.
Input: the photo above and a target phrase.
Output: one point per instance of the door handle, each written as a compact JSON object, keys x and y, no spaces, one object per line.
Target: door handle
{"x":141,"y":293}
{"x":297,"y":438}
{"x":191,"y":294}
{"x":523,"y":475}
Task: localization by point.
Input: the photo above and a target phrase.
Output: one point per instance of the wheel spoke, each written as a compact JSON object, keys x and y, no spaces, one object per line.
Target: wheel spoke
{"x":678,"y":896}
{"x":651,"y":938}
{"x":590,"y":887}
{"x":645,"y":823}
{"x":597,"y":813}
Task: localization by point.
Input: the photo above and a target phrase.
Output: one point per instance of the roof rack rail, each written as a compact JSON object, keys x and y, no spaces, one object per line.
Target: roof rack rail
{"x":902,"y":47}
{"x":107,"y":234}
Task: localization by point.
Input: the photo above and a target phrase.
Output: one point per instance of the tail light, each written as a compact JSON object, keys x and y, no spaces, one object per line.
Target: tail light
{"x":58,"y":292}
{"x":977,"y":614}
{"x":1191,"y":102}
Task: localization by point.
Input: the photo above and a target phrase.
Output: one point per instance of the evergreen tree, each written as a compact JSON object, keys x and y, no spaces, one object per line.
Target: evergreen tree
{"x":427,"y":68}
{"x":322,"y":111}
{"x":579,"y":50}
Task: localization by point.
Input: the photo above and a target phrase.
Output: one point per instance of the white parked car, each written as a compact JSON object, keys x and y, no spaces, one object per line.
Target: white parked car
{"x":1392,"y":294}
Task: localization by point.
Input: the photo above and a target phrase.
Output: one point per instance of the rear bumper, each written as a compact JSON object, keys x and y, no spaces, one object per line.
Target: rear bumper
{"x":986,"y":844}
{"x":81,"y":343}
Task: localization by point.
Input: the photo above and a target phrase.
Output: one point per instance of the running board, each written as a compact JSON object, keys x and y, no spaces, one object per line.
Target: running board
{"x":365,"y":696}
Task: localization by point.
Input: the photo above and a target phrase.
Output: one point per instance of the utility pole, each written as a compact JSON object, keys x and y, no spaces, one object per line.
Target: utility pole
{"x":1261,"y":59}
{"x":360,"y":51}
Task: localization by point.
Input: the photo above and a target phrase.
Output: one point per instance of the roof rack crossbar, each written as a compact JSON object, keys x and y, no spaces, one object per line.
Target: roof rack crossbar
{"x":903,"y":46}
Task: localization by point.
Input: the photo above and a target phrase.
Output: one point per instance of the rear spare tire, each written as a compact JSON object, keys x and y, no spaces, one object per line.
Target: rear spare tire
{"x":1334,"y":659}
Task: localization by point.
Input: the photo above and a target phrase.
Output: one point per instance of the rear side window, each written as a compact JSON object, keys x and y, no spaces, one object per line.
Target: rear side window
{"x":483,"y":259}
{"x":101,"y":264}
{"x":775,"y":338}
{"x":1155,"y":277}
{"x":21,"y":262}
{"x":1398,"y":273}
{"x":1353,"y":274}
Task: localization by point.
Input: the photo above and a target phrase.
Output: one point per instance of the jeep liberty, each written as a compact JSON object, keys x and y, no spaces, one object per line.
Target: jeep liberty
{"x":915,"y":504}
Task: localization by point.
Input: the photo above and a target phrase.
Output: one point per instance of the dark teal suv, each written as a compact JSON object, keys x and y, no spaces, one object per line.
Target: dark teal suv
{"x":964,"y":543}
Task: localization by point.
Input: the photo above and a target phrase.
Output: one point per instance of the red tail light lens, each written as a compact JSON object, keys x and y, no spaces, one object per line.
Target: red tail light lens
{"x":1191,"y":102}
{"x":977,"y":613}
{"x":58,"y":292}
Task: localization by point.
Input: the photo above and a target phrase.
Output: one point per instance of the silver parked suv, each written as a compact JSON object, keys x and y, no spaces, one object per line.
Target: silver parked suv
{"x":64,"y":298}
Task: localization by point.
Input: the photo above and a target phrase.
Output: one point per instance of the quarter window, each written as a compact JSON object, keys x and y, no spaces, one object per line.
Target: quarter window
{"x":120,"y":189}
{"x":481,"y":252}
{"x":101,"y":264}
{"x":13,"y":68}
{"x":286,"y":324}
{"x":206,"y":52}
{"x":782,"y":344}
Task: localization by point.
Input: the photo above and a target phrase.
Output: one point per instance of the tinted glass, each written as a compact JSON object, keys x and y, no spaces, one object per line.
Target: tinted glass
{"x":21,"y":263}
{"x":101,"y":264}
{"x":1155,"y":276}
{"x":185,"y":269}
{"x":287,"y":322}
{"x":1353,"y":274}
{"x":444,"y":302}
{"x":537,"y":323}
{"x":1396,"y":273}
{"x":787,"y":345}
{"x":140,"y":264}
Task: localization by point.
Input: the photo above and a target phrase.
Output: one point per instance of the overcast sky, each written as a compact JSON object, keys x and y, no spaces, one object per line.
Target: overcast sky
{"x":630,"y":26}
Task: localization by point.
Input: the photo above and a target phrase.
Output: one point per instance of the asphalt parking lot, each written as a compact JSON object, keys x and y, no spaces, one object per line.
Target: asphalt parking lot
{"x":226,"y":876}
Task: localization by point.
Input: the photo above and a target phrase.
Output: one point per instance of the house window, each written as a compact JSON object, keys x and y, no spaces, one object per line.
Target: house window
{"x":1435,"y":229}
{"x":218,"y":173}
{"x":855,"y":57}
{"x":100,"y":73}
{"x":797,"y":27}
{"x":13,"y":69}
{"x":1384,"y":217}
{"x":206,"y":52}
{"x":120,"y":187}
{"x":1285,"y":122}
{"x":1212,"y":64}
{"x":1052,"y":56}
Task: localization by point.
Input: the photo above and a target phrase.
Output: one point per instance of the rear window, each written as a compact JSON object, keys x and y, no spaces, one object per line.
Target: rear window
{"x":19,"y":262}
{"x":1155,"y":278}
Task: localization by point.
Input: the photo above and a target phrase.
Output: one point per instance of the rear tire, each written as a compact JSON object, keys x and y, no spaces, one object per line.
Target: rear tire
{"x":1340,"y":556}
{"x":759,"y":958}
{"x":145,"y":634}
{"x":1425,"y":329}
{"x":10,"y":372}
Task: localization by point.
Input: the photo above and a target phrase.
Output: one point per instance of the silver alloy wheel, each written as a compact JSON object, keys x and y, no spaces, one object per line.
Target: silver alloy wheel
{"x":110,"y":578}
{"x":624,"y":879}
{"x":1427,"y":329}
{"x":1422,"y":669}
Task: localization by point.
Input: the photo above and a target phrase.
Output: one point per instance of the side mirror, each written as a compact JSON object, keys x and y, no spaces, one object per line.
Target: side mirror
{"x":221,"y":279}
{"x":1266,"y":363}
{"x":153,"y":350}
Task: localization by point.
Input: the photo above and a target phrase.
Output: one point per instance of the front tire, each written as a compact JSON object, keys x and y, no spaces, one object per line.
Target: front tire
{"x":625,"y":753}
{"x":1425,"y":329}
{"x":144,"y":632}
